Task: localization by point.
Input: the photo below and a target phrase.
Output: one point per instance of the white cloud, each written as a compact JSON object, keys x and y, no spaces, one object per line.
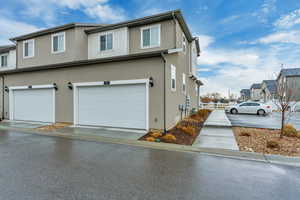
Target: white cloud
{"x":105,"y":13}
{"x":49,"y":9}
{"x":288,"y":21}
{"x":281,"y":37}
{"x":236,"y":57}
{"x":205,"y":41}
{"x":11,"y":28}
{"x":235,"y":69}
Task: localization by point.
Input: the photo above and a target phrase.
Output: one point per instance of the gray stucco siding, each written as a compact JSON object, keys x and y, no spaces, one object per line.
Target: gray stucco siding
{"x":124,"y":70}
{"x":75,"y":49}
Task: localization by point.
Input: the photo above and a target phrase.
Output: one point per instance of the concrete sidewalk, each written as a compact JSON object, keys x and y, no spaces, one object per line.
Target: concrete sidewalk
{"x":218,"y":118}
{"x":217,"y":133}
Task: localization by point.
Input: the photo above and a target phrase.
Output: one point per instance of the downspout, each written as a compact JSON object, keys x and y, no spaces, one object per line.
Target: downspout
{"x":164,"y":96}
{"x":2,"y":115}
{"x":175,"y":30}
{"x":198,"y":96}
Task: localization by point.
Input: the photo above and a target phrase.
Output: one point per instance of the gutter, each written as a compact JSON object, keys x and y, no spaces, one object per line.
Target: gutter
{"x":165,"y":110}
{"x":86,"y":62}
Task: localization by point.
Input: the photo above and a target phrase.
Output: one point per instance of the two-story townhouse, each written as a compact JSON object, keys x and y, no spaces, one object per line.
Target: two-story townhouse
{"x":133,"y":74}
{"x":268,"y":90}
{"x":255,"y":91}
{"x":291,"y":78}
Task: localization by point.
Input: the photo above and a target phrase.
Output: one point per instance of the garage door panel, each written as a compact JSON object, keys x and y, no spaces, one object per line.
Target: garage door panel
{"x":33,"y":105}
{"x":121,"y":106}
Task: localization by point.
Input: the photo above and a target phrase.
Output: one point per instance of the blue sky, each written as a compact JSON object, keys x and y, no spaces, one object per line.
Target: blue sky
{"x":242,"y":41}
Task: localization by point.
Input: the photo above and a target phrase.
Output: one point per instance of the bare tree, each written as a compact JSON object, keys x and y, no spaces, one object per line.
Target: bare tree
{"x":286,"y":93}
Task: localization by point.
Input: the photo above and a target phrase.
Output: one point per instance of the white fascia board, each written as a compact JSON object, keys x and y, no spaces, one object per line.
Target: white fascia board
{"x":32,"y":87}
{"x":170,"y":51}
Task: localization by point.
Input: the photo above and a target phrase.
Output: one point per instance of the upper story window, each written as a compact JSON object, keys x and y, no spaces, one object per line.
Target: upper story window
{"x":3,"y":60}
{"x":183,"y":44}
{"x":173,"y":78}
{"x":183,"y":83}
{"x":106,"y":42}
{"x":58,"y":42}
{"x":150,"y":36}
{"x":28,"y":48}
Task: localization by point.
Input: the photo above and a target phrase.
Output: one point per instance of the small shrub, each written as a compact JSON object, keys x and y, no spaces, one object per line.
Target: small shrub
{"x":150,"y":139}
{"x":272,"y":144}
{"x":203,"y":113}
{"x":289,"y":131}
{"x":190,"y":120}
{"x":245,"y":133}
{"x":169,"y":138}
{"x":298,"y":134}
{"x":193,"y":111}
{"x":189,"y":130}
{"x":156,"y":134}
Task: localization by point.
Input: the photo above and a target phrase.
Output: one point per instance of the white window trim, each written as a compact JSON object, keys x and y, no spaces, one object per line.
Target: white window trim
{"x":184,"y":83}
{"x":4,"y":54}
{"x":64,"y":44}
{"x":33,"y":48}
{"x":26,"y":87}
{"x":159,"y":36}
{"x":173,"y":68}
{"x":99,"y":42}
{"x":116,"y":82}
{"x":184,"y":44}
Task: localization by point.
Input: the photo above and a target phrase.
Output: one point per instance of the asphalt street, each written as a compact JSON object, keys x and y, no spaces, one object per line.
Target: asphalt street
{"x":271,"y":121}
{"x":34,"y":167}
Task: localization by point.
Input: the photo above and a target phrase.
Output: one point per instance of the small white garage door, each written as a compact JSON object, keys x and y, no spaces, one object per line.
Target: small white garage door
{"x":121,"y":106}
{"x":32,"y":105}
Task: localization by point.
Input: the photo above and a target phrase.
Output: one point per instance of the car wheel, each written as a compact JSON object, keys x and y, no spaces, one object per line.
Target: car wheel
{"x":261,"y":112}
{"x":233,"y":111}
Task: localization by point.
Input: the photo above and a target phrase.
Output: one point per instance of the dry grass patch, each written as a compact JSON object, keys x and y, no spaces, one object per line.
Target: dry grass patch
{"x":55,"y":126}
{"x":266,"y":141}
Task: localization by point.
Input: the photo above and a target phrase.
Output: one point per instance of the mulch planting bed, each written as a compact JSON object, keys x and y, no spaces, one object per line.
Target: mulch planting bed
{"x":184,"y":133}
{"x":55,"y":126}
{"x":255,"y":140}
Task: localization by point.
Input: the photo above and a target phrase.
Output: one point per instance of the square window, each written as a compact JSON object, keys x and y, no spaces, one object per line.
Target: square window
{"x":150,"y":36}
{"x":58,"y":42}
{"x":106,"y":42}
{"x":28,"y":49}
{"x":4,"y":60}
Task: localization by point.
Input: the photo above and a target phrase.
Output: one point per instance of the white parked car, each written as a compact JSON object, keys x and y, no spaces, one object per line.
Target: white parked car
{"x":249,"y":108}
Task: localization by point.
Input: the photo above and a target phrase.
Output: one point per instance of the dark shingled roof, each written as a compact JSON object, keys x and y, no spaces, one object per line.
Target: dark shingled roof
{"x":245,"y":92}
{"x":271,"y":85}
{"x":7,"y":48}
{"x":256,"y":86}
{"x":290,"y":72}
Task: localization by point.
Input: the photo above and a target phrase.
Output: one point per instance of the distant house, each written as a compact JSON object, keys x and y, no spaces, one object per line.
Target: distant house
{"x":255,"y":92}
{"x":245,"y":94}
{"x":268,"y":90}
{"x":291,"y":77}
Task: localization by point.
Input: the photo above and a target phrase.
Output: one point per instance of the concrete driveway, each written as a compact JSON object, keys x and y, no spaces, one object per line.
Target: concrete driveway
{"x":36,"y":167}
{"x":271,"y":121}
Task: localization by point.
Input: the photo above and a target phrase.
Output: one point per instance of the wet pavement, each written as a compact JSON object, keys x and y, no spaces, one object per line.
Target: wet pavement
{"x":271,"y":121}
{"x":36,"y":167}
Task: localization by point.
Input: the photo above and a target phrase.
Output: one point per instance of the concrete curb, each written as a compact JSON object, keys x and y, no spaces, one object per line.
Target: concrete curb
{"x":274,"y":159}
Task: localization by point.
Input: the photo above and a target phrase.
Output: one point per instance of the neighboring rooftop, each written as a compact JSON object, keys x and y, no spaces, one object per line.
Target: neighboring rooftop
{"x":245,"y":92}
{"x":271,"y":85}
{"x":256,"y":86}
{"x":55,"y":29}
{"x":7,"y":48}
{"x":290,"y":72}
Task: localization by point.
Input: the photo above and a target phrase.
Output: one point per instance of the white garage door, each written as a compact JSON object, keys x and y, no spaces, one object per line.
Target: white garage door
{"x":32,"y":105}
{"x":121,"y":106}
